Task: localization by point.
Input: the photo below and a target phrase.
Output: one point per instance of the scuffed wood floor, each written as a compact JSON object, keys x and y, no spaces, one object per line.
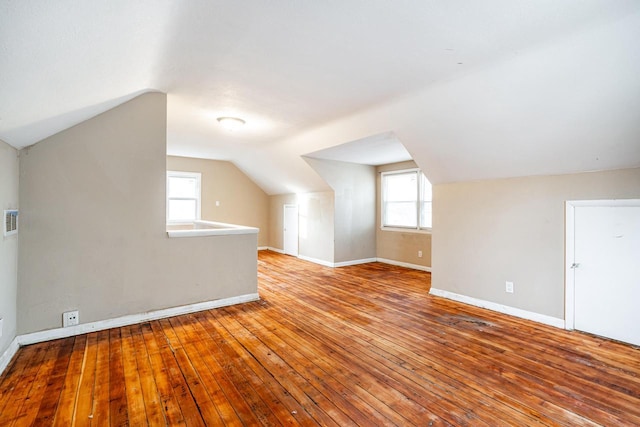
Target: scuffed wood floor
{"x":360,"y":345}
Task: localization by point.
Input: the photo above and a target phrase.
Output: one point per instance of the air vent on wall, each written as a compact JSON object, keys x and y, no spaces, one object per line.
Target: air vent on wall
{"x":10,"y":222}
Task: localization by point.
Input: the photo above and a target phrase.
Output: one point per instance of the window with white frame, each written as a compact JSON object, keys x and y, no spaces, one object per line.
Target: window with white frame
{"x":406,"y":200}
{"x":183,"y":196}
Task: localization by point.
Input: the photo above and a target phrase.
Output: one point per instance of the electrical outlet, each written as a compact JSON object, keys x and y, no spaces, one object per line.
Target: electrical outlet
{"x":70,"y":318}
{"x":509,"y":287}
{"x":419,"y":254}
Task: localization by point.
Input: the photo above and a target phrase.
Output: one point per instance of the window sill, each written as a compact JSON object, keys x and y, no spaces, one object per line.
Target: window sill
{"x":407,"y":230}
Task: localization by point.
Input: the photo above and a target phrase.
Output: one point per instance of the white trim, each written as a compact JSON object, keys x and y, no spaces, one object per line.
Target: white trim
{"x":336,"y":264}
{"x":354,"y":262}
{"x":211,"y":228}
{"x":569,"y":273}
{"x":602,"y":202}
{"x":569,"y":245}
{"x":357,"y":261}
{"x":425,"y":230}
{"x":271,"y":248}
{"x":404,"y":264}
{"x":316,"y":261}
{"x":131,"y":319}
{"x":517,"y":312}
{"x":8,"y":354}
{"x":263,"y":248}
{"x":419,"y":201}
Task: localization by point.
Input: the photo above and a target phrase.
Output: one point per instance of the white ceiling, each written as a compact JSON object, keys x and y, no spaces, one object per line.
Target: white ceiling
{"x":373,"y":150}
{"x":473,"y":90}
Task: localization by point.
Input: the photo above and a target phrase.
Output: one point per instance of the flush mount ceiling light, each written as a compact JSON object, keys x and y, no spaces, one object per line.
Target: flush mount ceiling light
{"x":231,"y":123}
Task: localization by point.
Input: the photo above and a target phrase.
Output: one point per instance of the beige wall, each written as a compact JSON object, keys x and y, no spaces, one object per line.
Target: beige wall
{"x":344,"y":225}
{"x":400,"y":246}
{"x":315,"y":227}
{"x":354,"y":188}
{"x":276,"y":218}
{"x":241,"y":201}
{"x":93,"y":233}
{"x":9,"y":172}
{"x":489,"y":232}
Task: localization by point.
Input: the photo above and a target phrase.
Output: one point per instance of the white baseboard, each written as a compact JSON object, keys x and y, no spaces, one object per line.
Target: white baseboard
{"x":280,"y":251}
{"x":517,"y":312}
{"x":404,"y":264}
{"x":8,"y":354}
{"x":354,"y":262}
{"x":336,"y":264}
{"x":316,"y":261}
{"x":358,"y":261}
{"x":131,"y":319}
{"x":263,"y":248}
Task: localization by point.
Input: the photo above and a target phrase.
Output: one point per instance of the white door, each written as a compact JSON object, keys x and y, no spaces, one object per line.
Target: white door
{"x":290,"y":230}
{"x":606,"y":268}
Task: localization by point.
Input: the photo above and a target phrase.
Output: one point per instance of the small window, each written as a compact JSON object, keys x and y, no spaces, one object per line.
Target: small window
{"x":183,"y":196}
{"x":406,"y":200}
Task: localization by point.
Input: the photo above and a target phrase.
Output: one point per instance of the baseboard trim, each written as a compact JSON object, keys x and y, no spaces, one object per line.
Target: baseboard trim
{"x":316,"y":261}
{"x":517,"y":312}
{"x":404,"y":264}
{"x":8,"y":354}
{"x":358,"y":261}
{"x":263,"y":248}
{"x":354,"y":262}
{"x":280,"y":251}
{"x":132,"y":319}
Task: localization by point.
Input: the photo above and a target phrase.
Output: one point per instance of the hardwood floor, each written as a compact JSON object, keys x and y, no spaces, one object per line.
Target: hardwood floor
{"x":361,"y":345}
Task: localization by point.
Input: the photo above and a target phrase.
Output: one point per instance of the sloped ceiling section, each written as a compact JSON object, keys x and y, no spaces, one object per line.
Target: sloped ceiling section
{"x":373,"y":150}
{"x":473,"y":90}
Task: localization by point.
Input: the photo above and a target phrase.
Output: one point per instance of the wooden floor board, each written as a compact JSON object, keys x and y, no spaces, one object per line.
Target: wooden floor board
{"x":118,"y":412}
{"x":358,"y":345}
{"x":252,"y":381}
{"x":95,"y":407}
{"x":66,"y":407}
{"x":169,"y":403}
{"x":16,"y":376}
{"x":56,"y":381}
{"x":319,"y":370}
{"x":401,"y":370}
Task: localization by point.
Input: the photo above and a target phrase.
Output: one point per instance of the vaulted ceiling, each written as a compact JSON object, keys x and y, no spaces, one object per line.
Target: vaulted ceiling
{"x":471,"y":89}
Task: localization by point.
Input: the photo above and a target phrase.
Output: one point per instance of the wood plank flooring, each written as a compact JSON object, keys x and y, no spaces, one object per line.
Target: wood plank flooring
{"x":361,"y":345}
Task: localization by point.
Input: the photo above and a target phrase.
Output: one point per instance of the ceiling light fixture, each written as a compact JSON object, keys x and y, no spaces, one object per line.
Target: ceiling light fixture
{"x":231,"y":123}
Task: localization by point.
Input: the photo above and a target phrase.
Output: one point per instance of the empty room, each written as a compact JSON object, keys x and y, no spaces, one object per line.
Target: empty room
{"x":320,"y":213}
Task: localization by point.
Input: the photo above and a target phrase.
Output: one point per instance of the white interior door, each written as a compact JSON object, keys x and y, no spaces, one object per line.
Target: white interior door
{"x":290,"y":230}
{"x":606,"y":269}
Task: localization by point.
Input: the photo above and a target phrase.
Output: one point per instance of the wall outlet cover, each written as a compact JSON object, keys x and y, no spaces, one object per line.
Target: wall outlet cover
{"x":70,"y":318}
{"x":509,"y":287}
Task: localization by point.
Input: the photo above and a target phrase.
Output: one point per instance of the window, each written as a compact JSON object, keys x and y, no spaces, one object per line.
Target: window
{"x":406,"y":200}
{"x":183,"y":196}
